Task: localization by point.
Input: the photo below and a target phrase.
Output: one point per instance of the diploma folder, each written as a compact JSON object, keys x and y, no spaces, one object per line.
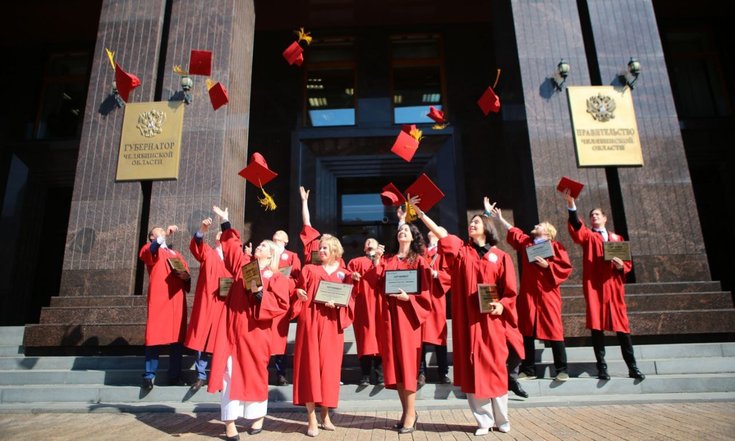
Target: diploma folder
{"x":574,"y":187}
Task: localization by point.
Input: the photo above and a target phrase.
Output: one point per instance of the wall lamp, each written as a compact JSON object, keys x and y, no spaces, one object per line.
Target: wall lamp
{"x":560,"y":76}
{"x":186,"y":84}
{"x":634,"y":69}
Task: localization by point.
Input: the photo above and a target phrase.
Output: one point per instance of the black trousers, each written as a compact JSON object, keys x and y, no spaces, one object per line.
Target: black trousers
{"x":558,"y":349}
{"x":441,"y":359}
{"x":626,"y":348}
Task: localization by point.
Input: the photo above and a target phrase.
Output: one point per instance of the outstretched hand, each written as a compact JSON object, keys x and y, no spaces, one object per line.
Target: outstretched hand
{"x":248,"y":249}
{"x":304,"y":193}
{"x":569,"y":198}
{"x":171,"y":229}
{"x":224,"y":214}
{"x":206,"y":223}
{"x":488,"y":206}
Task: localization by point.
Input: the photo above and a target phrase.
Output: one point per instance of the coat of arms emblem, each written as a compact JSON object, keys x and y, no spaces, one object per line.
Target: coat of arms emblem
{"x":150,"y":123}
{"x":601,"y":107}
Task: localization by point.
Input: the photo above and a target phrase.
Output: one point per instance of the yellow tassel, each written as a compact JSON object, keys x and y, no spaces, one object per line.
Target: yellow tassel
{"x":304,"y":36}
{"x":111,"y":56}
{"x":267,"y":201}
{"x":497,"y":77}
{"x":416,"y":134}
{"x":411,"y":215}
{"x":179,"y":70}
{"x":439,"y":126}
{"x":210,"y":83}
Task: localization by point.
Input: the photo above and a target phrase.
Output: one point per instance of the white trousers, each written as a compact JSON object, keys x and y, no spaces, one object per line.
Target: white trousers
{"x":234,"y":409}
{"x":490,"y":412}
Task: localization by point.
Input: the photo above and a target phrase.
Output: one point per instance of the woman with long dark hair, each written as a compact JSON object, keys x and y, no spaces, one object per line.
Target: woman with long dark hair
{"x":479,"y":341}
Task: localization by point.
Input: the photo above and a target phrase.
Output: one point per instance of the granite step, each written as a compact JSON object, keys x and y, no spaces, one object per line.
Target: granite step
{"x":11,"y":335}
{"x":651,"y":288}
{"x":574,"y":304}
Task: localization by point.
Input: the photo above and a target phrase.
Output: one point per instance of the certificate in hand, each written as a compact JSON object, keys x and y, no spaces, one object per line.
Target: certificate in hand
{"x":543,"y":249}
{"x":337,"y":293}
{"x":617,"y":249}
{"x":487,"y":293}
{"x":397,"y":280}
{"x":224,"y":286}
{"x":177,"y":266}
{"x":251,"y":272}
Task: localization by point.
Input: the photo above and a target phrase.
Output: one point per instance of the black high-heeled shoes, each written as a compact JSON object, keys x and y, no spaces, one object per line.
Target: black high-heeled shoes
{"x":411,"y":429}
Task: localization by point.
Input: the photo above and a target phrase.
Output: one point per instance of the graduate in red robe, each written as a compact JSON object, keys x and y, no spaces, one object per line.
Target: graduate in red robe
{"x":209,"y":305}
{"x":290,"y":262}
{"x":241,"y":354}
{"x":366,"y":312}
{"x":539,"y":298}
{"x":400,"y":318}
{"x":604,"y":289}
{"x":434,"y":329}
{"x":320,"y":337}
{"x":166,"y":320}
{"x":480,"y":343}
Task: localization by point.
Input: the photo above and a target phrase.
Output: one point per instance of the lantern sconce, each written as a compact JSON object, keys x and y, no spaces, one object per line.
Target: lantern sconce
{"x":560,"y":76}
{"x":630,"y":76}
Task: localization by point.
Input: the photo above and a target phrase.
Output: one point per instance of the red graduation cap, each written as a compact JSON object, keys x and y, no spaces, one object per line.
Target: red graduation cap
{"x":391,"y":196}
{"x":294,"y":54}
{"x":425,"y":189}
{"x":489,"y":102}
{"x":407,"y":142}
{"x":218,"y":95}
{"x":437,"y":115}
{"x":573,"y":186}
{"x":200,"y":63}
{"x":257,"y":172}
{"x":125,"y":82}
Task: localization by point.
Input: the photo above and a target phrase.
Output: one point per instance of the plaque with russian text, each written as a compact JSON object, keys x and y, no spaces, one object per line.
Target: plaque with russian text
{"x":620,"y":250}
{"x":337,"y":293}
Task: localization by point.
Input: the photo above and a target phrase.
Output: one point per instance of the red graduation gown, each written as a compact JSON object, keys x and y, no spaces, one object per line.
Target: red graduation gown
{"x":166,"y":320}
{"x":434,"y":329}
{"x":310,"y":238}
{"x":604,"y":288}
{"x":208,"y":307}
{"x":479,"y":340}
{"x":279,"y":338}
{"x":319,"y":340}
{"x":400,"y":324}
{"x":366,"y":306}
{"x":539,"y":299}
{"x":248,"y":334}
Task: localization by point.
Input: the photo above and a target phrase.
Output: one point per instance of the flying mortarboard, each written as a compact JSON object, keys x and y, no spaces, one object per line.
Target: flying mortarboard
{"x":391,"y":196}
{"x":407,"y":142}
{"x":425,"y":189}
{"x":294,"y":54}
{"x":258,"y":173}
{"x":200,"y":63}
{"x":438,"y":117}
{"x":125,"y":82}
{"x":489,"y":101}
{"x":573,"y":186}
{"x":217,"y":94}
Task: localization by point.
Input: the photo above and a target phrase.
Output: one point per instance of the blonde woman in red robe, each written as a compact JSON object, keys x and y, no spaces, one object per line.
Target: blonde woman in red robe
{"x":241,"y":354}
{"x":400,"y":318}
{"x":320,"y":337}
{"x":479,"y":339}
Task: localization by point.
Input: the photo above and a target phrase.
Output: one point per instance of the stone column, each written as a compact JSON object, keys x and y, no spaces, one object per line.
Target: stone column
{"x":660,"y":210}
{"x":102,"y":243}
{"x":214,"y":143}
{"x":546,"y":32}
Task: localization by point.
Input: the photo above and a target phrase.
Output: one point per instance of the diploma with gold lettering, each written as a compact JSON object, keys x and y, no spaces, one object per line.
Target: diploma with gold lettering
{"x":397,"y":280}
{"x":337,"y":293}
{"x":617,"y":249}
{"x":251,"y":272}
{"x":541,"y":249}
{"x":177,"y":266}
{"x":224,"y":286}
{"x":487,"y":293}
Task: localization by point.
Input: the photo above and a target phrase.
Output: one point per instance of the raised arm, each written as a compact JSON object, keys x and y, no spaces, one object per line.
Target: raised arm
{"x":305,"y":217}
{"x":430,"y":224}
{"x":492,"y":211}
{"x":572,"y":208}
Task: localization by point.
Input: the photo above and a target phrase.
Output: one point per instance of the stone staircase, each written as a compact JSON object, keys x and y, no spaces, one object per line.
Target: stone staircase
{"x":90,"y":383}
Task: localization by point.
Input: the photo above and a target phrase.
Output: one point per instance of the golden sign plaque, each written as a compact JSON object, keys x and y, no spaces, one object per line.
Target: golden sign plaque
{"x":604,"y":126}
{"x":150,"y":144}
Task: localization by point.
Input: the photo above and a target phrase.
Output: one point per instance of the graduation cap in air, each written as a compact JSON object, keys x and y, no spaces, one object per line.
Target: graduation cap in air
{"x":294,"y":53}
{"x":438,"y":116}
{"x":573,"y":186}
{"x":490,"y":101}
{"x":258,"y":173}
{"x":391,"y":196}
{"x":124,"y":82}
{"x":217,"y":94}
{"x":407,"y":142}
{"x":422,"y":187}
{"x":200,"y":63}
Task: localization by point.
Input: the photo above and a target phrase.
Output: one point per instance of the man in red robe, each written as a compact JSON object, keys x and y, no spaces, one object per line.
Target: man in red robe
{"x":604,"y":290}
{"x":539,"y":298}
{"x":209,"y":302}
{"x":366,"y":312}
{"x":289,"y":263}
{"x":169,"y":280}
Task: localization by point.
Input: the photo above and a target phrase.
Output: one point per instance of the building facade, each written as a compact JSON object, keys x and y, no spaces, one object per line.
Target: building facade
{"x":74,"y":232}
